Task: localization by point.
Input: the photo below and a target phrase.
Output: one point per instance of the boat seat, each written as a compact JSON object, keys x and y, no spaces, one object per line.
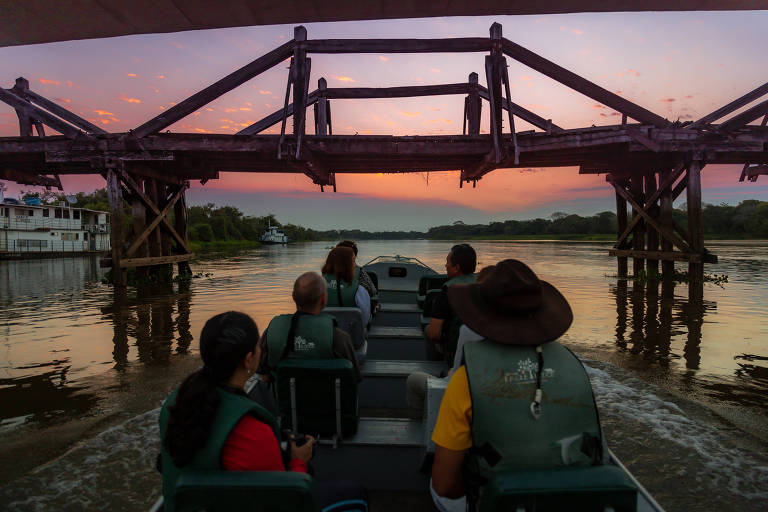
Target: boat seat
{"x":595,"y":488}
{"x":350,"y":320}
{"x":318,"y":396}
{"x":429,"y":300}
{"x":276,"y":491}
{"x":427,"y":283}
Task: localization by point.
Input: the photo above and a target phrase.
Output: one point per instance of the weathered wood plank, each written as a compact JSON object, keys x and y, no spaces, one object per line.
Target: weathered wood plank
{"x":695,"y":225}
{"x":621,"y":222}
{"x":114,"y":192}
{"x":32,"y":111}
{"x":149,"y":228}
{"x":453,"y":45}
{"x":148,"y":262}
{"x":213,"y":91}
{"x":746,"y":117}
{"x":650,"y":220}
{"x":474,"y":105}
{"x":275,"y":117}
{"x":663,"y":255}
{"x":730,"y":107}
{"x":582,"y":85}
{"x":396,"y":92}
{"x":57,"y":109}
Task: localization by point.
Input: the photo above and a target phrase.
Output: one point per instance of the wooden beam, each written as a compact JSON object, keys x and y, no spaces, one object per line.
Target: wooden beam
{"x":668,"y":181}
{"x":34,"y":112}
{"x":652,"y":239}
{"x":321,"y":109}
{"x":663,"y":255}
{"x":148,"y":262}
{"x":150,"y":203}
{"x":494,"y":79}
{"x":301,"y":67}
{"x":650,"y":220}
{"x":453,"y":45}
{"x":275,"y":117}
{"x":638,"y":235}
{"x":621,"y":222}
{"x":643,"y":139}
{"x":582,"y":85}
{"x":746,"y":117}
{"x":114,"y":193}
{"x":56,"y":109}
{"x":396,"y":92}
{"x":523,"y":113}
{"x":665,"y":218}
{"x":157,"y":220}
{"x":213,"y":91}
{"x":695,"y":226}
{"x":474,"y":105}
{"x":730,"y":107}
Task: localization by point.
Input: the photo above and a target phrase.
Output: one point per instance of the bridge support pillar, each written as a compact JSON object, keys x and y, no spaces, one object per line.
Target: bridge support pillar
{"x":153,"y":243}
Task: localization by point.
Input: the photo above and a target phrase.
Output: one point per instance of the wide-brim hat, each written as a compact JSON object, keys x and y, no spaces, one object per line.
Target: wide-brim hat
{"x":512,"y":306}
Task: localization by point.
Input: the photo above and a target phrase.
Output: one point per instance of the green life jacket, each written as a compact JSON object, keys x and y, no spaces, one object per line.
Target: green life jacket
{"x":231,"y":410}
{"x":312,"y":338}
{"x":502,"y":384}
{"x":342,"y":296}
{"x":455,"y":323}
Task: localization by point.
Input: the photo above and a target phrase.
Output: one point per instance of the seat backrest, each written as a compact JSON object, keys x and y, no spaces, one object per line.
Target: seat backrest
{"x":318,"y":396}
{"x":577,"y":488}
{"x":350,"y":320}
{"x":427,"y":283}
{"x":276,"y":491}
{"x":429,"y":300}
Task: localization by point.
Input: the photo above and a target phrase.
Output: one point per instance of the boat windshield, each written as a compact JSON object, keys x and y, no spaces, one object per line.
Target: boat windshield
{"x":397,"y":259}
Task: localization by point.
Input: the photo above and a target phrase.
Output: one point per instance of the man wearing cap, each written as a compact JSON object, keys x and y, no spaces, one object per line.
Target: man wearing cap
{"x":515,"y":309}
{"x":443,"y":329}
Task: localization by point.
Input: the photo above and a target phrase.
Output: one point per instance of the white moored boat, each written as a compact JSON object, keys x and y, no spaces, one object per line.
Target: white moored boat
{"x":273,"y":235}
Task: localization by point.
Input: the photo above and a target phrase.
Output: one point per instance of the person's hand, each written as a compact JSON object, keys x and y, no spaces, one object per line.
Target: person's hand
{"x":303,"y":452}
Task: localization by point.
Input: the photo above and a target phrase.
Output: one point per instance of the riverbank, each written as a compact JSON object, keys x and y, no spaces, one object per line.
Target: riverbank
{"x":218,"y":245}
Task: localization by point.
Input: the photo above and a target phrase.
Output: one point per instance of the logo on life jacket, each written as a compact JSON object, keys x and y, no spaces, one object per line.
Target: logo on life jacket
{"x":526,"y":372}
{"x":300,"y":344}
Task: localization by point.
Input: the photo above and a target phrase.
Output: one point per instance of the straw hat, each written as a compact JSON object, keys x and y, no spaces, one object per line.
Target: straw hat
{"x":512,"y":306}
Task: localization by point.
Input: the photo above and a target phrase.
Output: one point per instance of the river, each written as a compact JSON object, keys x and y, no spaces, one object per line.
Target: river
{"x":681,"y":386}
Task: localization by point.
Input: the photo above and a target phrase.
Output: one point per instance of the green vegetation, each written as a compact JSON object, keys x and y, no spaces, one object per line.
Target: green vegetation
{"x":227,"y":226}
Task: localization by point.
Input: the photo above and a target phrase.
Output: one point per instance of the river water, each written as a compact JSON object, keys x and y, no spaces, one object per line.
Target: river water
{"x":681,"y":385}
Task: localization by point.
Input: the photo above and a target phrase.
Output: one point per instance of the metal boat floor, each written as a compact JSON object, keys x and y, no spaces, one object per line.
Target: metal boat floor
{"x":388,"y":432}
{"x":381,"y":368}
{"x":395,"y":307}
{"x":386,"y":331}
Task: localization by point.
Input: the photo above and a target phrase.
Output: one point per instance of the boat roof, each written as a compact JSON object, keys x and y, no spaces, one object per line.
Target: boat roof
{"x":39,"y":21}
{"x":20,"y":203}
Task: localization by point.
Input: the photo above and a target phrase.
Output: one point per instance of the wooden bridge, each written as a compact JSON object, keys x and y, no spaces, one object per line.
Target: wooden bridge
{"x":648,"y":160}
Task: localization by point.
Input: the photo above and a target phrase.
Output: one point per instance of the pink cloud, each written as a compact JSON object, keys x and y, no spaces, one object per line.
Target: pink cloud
{"x":667,"y":100}
{"x":342,"y":78}
{"x":261,"y":91}
{"x":49,"y":82}
{"x":383,"y":58}
{"x":132,"y":75}
{"x":129,"y":100}
{"x":410,"y":114}
{"x":103,"y":113}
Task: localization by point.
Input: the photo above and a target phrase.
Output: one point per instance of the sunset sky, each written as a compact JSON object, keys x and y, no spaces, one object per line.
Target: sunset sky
{"x":679,"y":65}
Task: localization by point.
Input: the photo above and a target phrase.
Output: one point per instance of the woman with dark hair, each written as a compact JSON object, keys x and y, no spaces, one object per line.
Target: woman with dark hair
{"x":209,"y":423}
{"x":344,"y":288}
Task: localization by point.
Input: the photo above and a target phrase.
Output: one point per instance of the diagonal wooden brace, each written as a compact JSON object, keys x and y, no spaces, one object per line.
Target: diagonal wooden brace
{"x":676,"y":240}
{"x":160,"y":216}
{"x":665,"y":184}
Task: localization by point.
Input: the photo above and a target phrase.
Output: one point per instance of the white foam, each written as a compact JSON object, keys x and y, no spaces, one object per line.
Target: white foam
{"x":628,"y":397}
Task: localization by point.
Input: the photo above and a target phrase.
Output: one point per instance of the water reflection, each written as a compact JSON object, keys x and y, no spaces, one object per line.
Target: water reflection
{"x":654,"y":319}
{"x":155,"y":318}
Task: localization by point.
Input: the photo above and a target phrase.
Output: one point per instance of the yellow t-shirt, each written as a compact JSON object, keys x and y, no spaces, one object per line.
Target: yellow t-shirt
{"x":453,"y":429}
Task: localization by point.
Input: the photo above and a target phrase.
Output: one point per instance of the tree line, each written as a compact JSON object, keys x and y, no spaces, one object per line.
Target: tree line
{"x":209,"y":223}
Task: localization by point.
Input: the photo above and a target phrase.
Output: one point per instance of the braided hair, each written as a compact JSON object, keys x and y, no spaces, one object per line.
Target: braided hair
{"x":224,"y":342}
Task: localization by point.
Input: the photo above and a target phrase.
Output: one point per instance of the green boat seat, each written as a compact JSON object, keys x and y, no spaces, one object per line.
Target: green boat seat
{"x":318,"y":396}
{"x":427,"y":283}
{"x":588,"y":488}
{"x":272,"y":491}
{"x":350,"y":320}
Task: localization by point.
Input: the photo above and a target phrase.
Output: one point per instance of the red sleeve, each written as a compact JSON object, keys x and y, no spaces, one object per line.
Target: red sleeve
{"x":251,"y":446}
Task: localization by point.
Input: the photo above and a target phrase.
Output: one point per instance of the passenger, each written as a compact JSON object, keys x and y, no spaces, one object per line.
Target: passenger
{"x":416,"y":384}
{"x":512,"y":306}
{"x":344,"y":289}
{"x":315,"y":334}
{"x":210,"y":424}
{"x":362,"y":276}
{"x":443,"y":329}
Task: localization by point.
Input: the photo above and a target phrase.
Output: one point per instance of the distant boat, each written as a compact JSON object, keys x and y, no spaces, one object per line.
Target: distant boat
{"x":273,"y":235}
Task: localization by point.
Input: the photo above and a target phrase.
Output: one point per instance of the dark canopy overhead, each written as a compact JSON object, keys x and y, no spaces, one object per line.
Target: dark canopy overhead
{"x":43,"y":21}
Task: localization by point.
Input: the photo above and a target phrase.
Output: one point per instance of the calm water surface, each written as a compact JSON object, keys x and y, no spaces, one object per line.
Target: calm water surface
{"x":61,"y":331}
